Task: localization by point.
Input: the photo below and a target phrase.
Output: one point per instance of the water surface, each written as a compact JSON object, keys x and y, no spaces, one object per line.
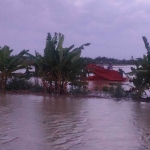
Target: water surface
{"x":30,"y":122}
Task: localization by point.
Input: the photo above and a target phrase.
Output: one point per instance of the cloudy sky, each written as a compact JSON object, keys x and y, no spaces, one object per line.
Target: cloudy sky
{"x":113,"y":27}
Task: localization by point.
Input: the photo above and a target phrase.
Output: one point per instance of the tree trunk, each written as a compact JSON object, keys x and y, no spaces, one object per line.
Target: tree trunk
{"x":44,"y":85}
{"x":3,"y":82}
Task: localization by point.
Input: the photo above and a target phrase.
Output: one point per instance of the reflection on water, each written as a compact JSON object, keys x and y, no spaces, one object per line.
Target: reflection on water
{"x":66,"y":123}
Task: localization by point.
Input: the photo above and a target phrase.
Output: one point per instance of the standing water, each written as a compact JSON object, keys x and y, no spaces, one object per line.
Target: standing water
{"x":30,"y":122}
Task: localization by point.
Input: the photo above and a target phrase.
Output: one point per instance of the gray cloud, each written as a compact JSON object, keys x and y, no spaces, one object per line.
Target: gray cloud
{"x":113,"y":28}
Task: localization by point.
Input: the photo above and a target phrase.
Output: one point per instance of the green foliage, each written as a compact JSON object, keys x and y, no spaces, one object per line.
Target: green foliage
{"x":141,"y":73}
{"x":96,"y":89}
{"x":59,"y":65}
{"x":79,"y":88}
{"x":9,"y":64}
{"x":36,"y":88}
{"x":107,"y":60}
{"x":18,"y":84}
{"x":115,"y":91}
{"x":118,"y":91}
{"x":105,"y":89}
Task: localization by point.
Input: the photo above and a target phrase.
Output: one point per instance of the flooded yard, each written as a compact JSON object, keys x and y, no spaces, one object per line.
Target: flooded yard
{"x":29,"y":122}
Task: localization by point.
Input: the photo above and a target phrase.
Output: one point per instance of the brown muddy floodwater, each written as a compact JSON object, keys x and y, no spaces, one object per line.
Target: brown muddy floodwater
{"x":30,"y":122}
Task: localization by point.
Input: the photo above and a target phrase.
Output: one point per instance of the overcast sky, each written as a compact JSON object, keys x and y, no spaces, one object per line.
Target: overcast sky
{"x":113,"y":27}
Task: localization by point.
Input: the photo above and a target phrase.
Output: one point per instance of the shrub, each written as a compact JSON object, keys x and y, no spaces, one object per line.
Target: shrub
{"x":115,"y":91}
{"x":79,"y":88}
{"x":118,"y":91}
{"x":18,"y":84}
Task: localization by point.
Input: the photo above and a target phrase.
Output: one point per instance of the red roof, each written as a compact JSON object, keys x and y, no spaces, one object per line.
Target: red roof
{"x":102,"y":73}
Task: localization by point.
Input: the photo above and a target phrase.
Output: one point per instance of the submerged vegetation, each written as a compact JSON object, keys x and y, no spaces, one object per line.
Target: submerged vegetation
{"x":57,"y":67}
{"x":140,"y":80}
{"x":9,"y":64}
{"x":61,"y":67}
{"x":141,"y":73}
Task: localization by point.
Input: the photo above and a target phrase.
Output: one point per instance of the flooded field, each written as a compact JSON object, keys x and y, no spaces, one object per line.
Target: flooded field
{"x":30,"y":122}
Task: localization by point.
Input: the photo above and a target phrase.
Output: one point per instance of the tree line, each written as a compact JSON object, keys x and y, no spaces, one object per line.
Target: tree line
{"x":106,"y":60}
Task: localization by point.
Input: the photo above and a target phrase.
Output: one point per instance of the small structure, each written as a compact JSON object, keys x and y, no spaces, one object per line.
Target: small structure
{"x":102,"y":73}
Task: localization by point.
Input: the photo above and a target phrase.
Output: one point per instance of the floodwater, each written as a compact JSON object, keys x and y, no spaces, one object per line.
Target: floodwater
{"x":29,"y":122}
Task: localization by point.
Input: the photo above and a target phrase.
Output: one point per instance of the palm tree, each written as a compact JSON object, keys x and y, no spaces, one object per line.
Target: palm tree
{"x":9,"y":64}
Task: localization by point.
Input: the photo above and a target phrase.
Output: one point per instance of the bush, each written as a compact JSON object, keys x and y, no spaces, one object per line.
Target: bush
{"x":118,"y":91}
{"x":97,"y":89}
{"x":18,"y":84}
{"x":78,"y":88}
{"x":115,"y":91}
{"x":36,"y":88}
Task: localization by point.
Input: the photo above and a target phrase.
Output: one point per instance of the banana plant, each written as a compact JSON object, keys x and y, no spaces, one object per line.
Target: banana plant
{"x":69,"y":66}
{"x":9,"y":64}
{"x":141,"y":73}
{"x":60,"y":64}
